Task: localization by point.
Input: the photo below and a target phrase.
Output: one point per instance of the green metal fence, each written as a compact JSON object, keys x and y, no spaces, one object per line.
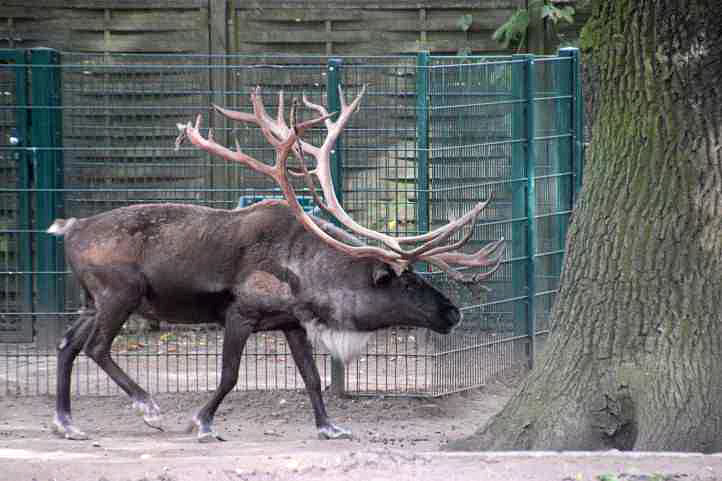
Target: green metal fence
{"x":84,"y":133}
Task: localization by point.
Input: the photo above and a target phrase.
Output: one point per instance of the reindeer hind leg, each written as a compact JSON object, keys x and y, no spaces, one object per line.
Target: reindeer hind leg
{"x":122,"y":290}
{"x":69,"y":348}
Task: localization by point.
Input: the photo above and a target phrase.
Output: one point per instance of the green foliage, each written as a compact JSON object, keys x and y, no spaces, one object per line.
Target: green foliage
{"x":628,"y":477}
{"x":607,"y":477}
{"x":556,"y":14}
{"x":514,"y":30}
{"x":5,"y":240}
{"x":590,"y":36}
{"x":464,"y":22}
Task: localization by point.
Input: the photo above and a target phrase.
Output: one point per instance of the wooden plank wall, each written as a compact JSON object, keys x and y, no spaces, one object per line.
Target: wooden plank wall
{"x":106,"y":25}
{"x":352,"y":27}
{"x":289,"y":27}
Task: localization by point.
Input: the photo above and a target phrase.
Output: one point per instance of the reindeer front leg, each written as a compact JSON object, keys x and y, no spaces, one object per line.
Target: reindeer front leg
{"x":303,"y":356}
{"x":237,"y":330}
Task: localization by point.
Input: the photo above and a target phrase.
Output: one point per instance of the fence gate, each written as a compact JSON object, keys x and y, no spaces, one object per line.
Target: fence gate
{"x":16,"y":297}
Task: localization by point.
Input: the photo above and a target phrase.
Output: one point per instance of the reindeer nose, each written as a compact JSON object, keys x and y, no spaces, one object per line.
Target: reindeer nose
{"x":452,"y":316}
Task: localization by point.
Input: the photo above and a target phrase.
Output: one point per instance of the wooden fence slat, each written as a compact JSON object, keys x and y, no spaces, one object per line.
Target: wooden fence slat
{"x":300,"y":14}
{"x":309,"y":36}
{"x":373,"y":4}
{"x":112,"y":4}
{"x":95,"y":22}
{"x":23,"y":12}
{"x":447,"y":23}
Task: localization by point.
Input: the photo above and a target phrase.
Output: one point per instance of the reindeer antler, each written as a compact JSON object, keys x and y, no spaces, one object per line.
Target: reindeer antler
{"x":429,"y":247}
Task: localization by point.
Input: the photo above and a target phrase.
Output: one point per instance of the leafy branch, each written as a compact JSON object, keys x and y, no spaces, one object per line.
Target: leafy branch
{"x":514,"y":30}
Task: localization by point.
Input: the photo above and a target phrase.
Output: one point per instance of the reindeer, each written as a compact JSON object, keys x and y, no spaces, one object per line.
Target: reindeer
{"x":270,"y":266}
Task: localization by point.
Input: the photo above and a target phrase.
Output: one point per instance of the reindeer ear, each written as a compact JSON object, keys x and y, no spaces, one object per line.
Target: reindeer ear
{"x":382,"y":274}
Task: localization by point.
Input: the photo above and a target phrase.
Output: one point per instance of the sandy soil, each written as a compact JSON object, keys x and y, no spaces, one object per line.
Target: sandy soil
{"x":272,"y":437}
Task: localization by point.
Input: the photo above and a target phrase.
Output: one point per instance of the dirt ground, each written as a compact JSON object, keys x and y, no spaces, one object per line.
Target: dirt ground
{"x":271,"y":436}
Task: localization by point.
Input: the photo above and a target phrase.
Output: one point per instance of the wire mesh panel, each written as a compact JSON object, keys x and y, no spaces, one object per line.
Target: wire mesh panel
{"x":380,"y":168}
{"x":553,"y":137}
{"x":433,"y":137}
{"x":473,"y":147}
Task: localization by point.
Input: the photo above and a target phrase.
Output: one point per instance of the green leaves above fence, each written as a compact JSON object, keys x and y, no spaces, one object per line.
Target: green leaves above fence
{"x":514,"y":30}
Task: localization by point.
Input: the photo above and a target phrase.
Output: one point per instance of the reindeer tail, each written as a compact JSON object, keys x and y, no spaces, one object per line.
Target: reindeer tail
{"x":61,"y":226}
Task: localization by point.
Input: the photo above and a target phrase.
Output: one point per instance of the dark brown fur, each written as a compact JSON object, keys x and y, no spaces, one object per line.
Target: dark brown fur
{"x":253,"y":269}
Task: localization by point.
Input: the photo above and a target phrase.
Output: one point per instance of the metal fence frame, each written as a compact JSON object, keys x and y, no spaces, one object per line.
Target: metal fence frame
{"x":537,"y":106}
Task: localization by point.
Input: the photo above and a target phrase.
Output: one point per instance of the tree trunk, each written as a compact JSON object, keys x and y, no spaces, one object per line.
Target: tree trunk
{"x":634,"y":360}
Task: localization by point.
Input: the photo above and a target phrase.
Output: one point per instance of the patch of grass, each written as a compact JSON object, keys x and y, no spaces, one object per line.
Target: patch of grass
{"x":607,"y":477}
{"x":640,"y":477}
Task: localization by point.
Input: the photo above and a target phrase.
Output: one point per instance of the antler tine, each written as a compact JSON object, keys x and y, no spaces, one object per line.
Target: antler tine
{"x":288,"y":144}
{"x":430,"y":247}
{"x":308,"y":178}
{"x":335,"y":127}
{"x":481,"y":258}
{"x":303,"y":126}
{"x":472,"y":281}
{"x":310,"y":184}
{"x":318,"y":108}
{"x":453,"y":248}
{"x":192,"y":133}
{"x":280,"y":130}
{"x":275,"y":131}
{"x":234,"y":114}
{"x":279,"y":116}
{"x":259,"y":110}
{"x":263,"y":120}
{"x":354,"y":105}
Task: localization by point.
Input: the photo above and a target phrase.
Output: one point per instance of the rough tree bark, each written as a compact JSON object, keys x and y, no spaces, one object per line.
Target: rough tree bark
{"x":634,"y":360}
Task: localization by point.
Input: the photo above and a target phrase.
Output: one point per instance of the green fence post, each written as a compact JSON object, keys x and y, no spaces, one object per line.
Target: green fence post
{"x":530,"y":93}
{"x":518,"y":196}
{"x":22,"y":160}
{"x":46,"y":121}
{"x":333,"y":101}
{"x":333,"y":79}
{"x":422,"y":142}
{"x":577,"y":112}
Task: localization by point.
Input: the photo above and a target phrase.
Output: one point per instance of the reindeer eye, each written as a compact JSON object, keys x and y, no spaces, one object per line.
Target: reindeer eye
{"x":382,"y":277}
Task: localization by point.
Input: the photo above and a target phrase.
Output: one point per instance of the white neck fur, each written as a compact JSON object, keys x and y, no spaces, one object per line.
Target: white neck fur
{"x":344,"y":345}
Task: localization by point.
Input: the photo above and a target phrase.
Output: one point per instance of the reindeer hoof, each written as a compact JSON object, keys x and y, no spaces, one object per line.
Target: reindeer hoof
{"x":205,"y":433}
{"x":65,"y":429}
{"x":72,"y":433}
{"x":331,"y":431}
{"x":209,"y":437}
{"x":150,"y":412}
{"x":194,"y":424}
{"x":155,"y":422}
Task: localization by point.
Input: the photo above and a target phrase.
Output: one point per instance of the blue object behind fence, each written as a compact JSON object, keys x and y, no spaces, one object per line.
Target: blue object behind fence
{"x":306,"y":201}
